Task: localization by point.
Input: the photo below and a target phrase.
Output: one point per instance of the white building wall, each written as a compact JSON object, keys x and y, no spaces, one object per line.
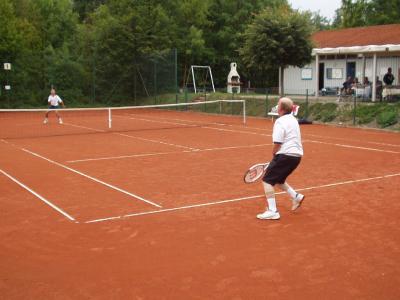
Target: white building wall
{"x":295,"y":85}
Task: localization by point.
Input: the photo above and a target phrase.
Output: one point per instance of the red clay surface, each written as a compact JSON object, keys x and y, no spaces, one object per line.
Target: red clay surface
{"x":343,"y":243}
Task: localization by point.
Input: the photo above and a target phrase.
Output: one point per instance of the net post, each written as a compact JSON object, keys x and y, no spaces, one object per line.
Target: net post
{"x":109,"y":118}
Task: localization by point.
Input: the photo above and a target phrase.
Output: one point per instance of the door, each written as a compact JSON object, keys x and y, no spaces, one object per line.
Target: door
{"x":321,"y":76}
{"x":351,"y":69}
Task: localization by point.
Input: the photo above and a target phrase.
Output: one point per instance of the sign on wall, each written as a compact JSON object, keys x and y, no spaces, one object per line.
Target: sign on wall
{"x":306,"y":74}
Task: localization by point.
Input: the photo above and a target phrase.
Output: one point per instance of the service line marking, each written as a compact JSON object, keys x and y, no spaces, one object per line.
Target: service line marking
{"x":40,"y":197}
{"x":155,"y":141}
{"x":238,"y":199}
{"x":84,"y":175}
{"x":166,"y":153}
{"x":350,"y":146}
{"x":132,"y":137}
{"x":263,"y":134}
{"x":92,"y":178}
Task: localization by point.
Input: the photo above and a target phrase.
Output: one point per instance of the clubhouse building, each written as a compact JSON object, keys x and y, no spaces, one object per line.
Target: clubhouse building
{"x":354,"y":52}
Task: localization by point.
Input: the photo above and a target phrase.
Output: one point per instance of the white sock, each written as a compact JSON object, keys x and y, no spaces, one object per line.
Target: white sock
{"x":288,"y":189}
{"x":272,"y":204}
{"x":270,"y":195}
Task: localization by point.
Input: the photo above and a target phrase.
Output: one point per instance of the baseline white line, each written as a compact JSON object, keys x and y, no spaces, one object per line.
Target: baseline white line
{"x":92,"y":178}
{"x":55,"y":207}
{"x":164,"y":153}
{"x":240,"y":199}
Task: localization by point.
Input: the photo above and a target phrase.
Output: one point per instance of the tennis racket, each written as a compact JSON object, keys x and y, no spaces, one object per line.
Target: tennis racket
{"x":255,"y":172}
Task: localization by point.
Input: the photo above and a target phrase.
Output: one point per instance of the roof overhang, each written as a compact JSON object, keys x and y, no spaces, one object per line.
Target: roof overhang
{"x":357,"y":49}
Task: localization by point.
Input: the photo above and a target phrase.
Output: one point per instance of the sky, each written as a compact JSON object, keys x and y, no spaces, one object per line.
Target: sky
{"x":325,"y":7}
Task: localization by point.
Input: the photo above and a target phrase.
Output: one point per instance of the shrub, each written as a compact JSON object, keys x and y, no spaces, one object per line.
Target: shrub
{"x":325,"y":112}
{"x":366,"y":113}
{"x":387,"y":118}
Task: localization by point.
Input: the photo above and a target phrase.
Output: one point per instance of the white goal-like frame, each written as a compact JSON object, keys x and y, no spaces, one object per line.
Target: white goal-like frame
{"x":192,"y":67}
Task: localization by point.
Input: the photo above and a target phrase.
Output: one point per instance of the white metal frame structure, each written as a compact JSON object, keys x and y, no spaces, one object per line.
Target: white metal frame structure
{"x":192,"y":67}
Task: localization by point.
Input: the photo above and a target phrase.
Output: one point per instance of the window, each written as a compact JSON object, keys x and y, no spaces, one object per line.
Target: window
{"x":334,"y":73}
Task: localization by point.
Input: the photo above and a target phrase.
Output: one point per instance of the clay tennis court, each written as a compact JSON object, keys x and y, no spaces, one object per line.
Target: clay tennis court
{"x":157,"y":209}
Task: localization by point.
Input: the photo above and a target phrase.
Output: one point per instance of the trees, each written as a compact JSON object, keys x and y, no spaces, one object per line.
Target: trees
{"x":277,"y":38}
{"x":365,"y":13}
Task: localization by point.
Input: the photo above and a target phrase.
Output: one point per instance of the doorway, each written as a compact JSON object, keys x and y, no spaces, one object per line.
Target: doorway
{"x":321,"y":76}
{"x":351,"y":69}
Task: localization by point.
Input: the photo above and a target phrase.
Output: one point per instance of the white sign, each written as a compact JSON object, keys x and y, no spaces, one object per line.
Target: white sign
{"x":7,"y":66}
{"x":337,"y":73}
{"x":7,"y":87}
{"x":306,"y":74}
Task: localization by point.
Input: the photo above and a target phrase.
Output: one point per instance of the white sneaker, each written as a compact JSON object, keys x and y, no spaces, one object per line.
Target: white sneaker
{"x":60,"y":121}
{"x":297,"y":201}
{"x":269,"y":215}
{"x":45,"y":121}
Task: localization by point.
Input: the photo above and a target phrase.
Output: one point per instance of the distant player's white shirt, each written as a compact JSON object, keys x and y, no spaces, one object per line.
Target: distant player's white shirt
{"x":287,"y":133}
{"x":54,"y":100}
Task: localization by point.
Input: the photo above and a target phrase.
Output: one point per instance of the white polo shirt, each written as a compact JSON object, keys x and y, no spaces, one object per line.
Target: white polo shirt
{"x":287,"y":132}
{"x":54,"y":100}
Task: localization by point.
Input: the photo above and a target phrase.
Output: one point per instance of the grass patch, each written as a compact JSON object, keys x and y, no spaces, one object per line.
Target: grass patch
{"x":325,"y":112}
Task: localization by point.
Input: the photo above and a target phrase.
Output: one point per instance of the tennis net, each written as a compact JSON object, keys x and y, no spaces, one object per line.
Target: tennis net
{"x":30,"y":123}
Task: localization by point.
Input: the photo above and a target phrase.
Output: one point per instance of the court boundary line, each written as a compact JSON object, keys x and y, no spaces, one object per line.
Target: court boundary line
{"x":306,"y":134}
{"x":262,"y":134}
{"x":85,"y":175}
{"x":236,"y":199}
{"x":92,"y":178}
{"x":167,"y":153}
{"x":40,"y":197}
{"x":154,"y":141}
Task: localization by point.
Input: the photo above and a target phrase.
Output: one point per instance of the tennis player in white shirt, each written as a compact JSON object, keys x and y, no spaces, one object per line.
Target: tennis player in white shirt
{"x":54,"y":100}
{"x":287,"y":153}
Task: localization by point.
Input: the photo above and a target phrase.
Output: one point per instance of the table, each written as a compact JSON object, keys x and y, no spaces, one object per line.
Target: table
{"x":390,"y":91}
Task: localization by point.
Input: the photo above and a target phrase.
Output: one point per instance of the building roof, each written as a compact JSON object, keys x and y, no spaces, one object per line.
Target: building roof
{"x":359,"y":36}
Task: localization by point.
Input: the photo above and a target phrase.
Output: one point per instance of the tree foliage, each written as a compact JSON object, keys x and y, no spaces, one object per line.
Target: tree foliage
{"x":276,"y":38}
{"x":367,"y":12}
{"x":91,"y":49}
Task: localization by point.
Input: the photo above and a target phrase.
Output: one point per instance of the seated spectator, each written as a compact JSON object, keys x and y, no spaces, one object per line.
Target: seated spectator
{"x":347,"y":86}
{"x":366,"y":81}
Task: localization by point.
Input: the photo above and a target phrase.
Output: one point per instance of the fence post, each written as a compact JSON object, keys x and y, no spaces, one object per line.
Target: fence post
{"x":354,"y":109}
{"x":266,"y":103}
{"x":307,"y":109}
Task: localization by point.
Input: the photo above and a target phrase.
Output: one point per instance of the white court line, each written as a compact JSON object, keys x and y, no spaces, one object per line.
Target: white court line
{"x":354,"y":147}
{"x":92,"y":178}
{"x":133,"y":137}
{"x":261,"y":134}
{"x":39,"y":196}
{"x":155,"y":141}
{"x":84,"y":127}
{"x":239,"y":199}
{"x":204,"y":127}
{"x":306,"y":134}
{"x":165,"y":153}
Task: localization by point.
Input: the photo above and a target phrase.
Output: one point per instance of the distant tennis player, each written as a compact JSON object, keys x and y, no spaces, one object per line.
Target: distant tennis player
{"x":287,"y":152}
{"x":54,"y":100}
